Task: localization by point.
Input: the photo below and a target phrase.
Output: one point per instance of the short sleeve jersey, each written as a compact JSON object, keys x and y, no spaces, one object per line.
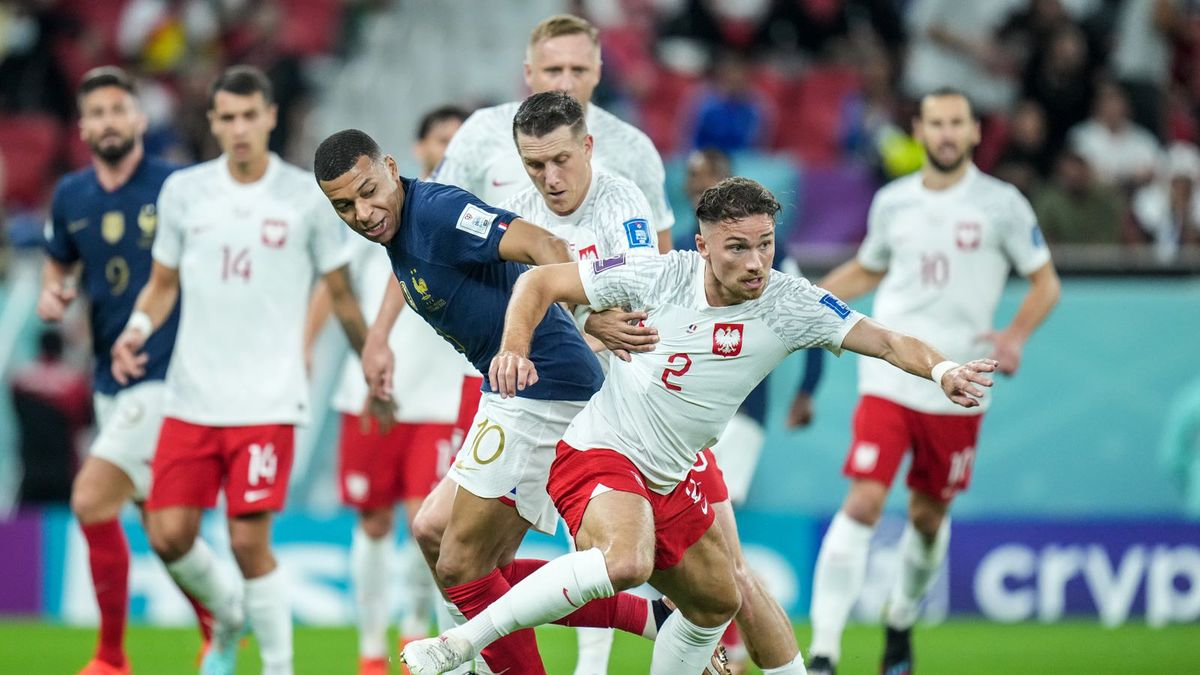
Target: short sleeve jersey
{"x":483,"y":160}
{"x":446,"y":256}
{"x":247,"y":256}
{"x":947,"y":254}
{"x":664,"y":406}
{"x":111,"y":233}
{"x":427,"y":373}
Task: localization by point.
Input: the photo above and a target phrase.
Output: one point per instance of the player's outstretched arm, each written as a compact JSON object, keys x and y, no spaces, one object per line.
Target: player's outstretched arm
{"x":527,"y":243}
{"x":153,"y":306}
{"x":345,"y":306}
{"x":851,"y":280}
{"x":960,"y":383}
{"x":377,"y":359}
{"x":511,"y":370}
{"x":58,"y":289}
{"x":1044,"y":291}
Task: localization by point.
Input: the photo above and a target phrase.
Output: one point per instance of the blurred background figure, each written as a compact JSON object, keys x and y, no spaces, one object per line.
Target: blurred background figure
{"x":1076,"y":209}
{"x":1119,"y":150}
{"x":53,"y":401}
{"x":1168,"y":210}
{"x":434,"y":132}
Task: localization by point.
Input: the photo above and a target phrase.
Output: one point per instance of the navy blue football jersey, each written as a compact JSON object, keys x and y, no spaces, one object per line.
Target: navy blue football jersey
{"x":446,"y":256}
{"x":111,"y":234}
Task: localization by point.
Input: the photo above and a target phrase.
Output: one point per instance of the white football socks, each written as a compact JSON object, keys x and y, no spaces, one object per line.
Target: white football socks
{"x":370,"y":565}
{"x":684,"y":647}
{"x":199,"y":573}
{"x":837,"y":582}
{"x":555,"y":590}
{"x":417,"y":585}
{"x":796,"y":667}
{"x":919,"y":564}
{"x":595,"y":645}
{"x":269,"y":614}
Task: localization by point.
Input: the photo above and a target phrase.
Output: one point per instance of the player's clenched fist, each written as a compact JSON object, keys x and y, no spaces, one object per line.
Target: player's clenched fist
{"x":128,"y":360}
{"x":53,"y":301}
{"x":378,"y":362}
{"x":511,"y":372}
{"x":959,"y":383}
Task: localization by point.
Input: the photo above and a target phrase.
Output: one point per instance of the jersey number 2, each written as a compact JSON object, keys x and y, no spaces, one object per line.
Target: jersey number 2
{"x":677,"y":372}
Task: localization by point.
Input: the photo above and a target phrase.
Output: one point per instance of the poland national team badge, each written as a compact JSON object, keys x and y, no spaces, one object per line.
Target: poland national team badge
{"x":967,"y":235}
{"x":727,"y":339}
{"x":274,"y":232}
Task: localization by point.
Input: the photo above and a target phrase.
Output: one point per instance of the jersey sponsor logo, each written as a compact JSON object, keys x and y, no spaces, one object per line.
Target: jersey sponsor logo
{"x":274,"y":232}
{"x":589,"y":253}
{"x":727,"y":339}
{"x":112,"y":226}
{"x":637,"y":231}
{"x":475,"y":221}
{"x":1036,"y":237}
{"x":967,"y":235}
{"x":838,"y":307}
{"x":599,"y":266}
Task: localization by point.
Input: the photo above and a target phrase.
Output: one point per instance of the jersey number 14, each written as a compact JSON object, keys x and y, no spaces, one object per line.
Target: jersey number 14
{"x":235,"y":265}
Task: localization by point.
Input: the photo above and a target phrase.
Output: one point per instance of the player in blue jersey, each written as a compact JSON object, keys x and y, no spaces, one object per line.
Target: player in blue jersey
{"x":455,"y":260}
{"x":101,"y":227}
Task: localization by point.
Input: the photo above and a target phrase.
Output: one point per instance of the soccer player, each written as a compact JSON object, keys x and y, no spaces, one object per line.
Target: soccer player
{"x":379,"y":465}
{"x":455,"y":260}
{"x":622,"y":477}
{"x":939,"y":247}
{"x":243,"y":235}
{"x":563,"y":55}
{"x":102,"y":224}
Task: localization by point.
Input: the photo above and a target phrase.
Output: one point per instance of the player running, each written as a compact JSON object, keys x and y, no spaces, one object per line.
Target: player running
{"x":621,"y":477}
{"x":939,"y":246}
{"x":243,"y":235}
{"x":102,"y":225}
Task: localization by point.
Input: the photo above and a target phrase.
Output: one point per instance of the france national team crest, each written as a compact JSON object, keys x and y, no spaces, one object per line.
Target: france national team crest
{"x":638,"y":233}
{"x":727,"y":339}
{"x":274,"y":232}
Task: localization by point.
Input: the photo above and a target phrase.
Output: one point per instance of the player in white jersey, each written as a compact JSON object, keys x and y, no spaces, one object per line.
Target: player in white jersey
{"x":244,"y":235}
{"x":563,"y":55}
{"x":623,"y":476}
{"x":940,"y":245}
{"x":382,"y":464}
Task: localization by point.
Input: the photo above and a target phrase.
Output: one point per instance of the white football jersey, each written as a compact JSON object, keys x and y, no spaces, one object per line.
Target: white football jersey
{"x":247,"y":256}
{"x":947,"y":254}
{"x":483,"y":159}
{"x":427,"y":374}
{"x":664,"y":406}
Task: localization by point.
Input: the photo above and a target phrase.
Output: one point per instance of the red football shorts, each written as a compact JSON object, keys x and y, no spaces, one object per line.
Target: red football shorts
{"x":193,"y":462}
{"x":469,"y":403}
{"x":943,"y":447}
{"x":680,"y":518}
{"x":706,"y":472}
{"x":377,"y":470}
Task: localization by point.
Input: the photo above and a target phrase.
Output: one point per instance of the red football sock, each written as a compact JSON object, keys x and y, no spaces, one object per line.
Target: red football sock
{"x":203,"y":617}
{"x":517,"y":650}
{"x":623,"y":611}
{"x":108,"y":555}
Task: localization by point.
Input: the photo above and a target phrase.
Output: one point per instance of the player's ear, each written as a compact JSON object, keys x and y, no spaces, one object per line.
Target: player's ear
{"x":390,"y":163}
{"x":701,"y":245}
{"x":588,"y":143}
{"x":272,"y":115}
{"x":528,"y":69}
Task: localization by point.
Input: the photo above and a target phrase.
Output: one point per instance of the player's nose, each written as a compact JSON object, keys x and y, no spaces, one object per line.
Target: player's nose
{"x":362,"y":211}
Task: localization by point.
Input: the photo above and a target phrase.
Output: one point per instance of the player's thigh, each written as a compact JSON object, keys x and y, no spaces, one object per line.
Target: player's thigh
{"x":258,"y":461}
{"x":188,"y":466}
{"x":481,"y":533}
{"x":881,"y":438}
{"x":128,"y":428}
{"x":701,"y":584}
{"x":943,"y":454}
{"x":621,"y":525}
{"x":368,"y":465}
{"x":100,"y":489}
{"x":430,"y":520}
{"x":425,"y":459}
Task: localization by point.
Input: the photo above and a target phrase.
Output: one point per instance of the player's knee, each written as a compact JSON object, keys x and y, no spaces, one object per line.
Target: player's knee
{"x":926,"y":519}
{"x":252,"y":554}
{"x":864,"y":504}
{"x":377,"y":523}
{"x":89,"y":505}
{"x":716,"y":605}
{"x":171,"y":541}
{"x":456,"y":568}
{"x":427,"y":530}
{"x":628,"y":568}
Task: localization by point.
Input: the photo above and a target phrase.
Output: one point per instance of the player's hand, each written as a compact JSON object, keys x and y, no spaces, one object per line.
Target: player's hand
{"x":383,"y":412}
{"x":378,"y":364}
{"x":510,"y":372}
{"x":53,"y":301}
{"x":801,"y":412}
{"x":961,"y":384}
{"x":1006,"y":349}
{"x":128,"y":360}
{"x":620,"y":331}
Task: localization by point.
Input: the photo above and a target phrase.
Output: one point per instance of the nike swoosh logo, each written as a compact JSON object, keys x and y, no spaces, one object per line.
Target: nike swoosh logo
{"x":256,"y":495}
{"x":496,"y":183}
{"x":569,"y":599}
{"x":77,"y":225}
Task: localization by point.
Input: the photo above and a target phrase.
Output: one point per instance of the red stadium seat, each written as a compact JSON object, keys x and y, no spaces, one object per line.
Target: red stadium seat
{"x":30,"y":145}
{"x":811,"y":113}
{"x":310,"y":26}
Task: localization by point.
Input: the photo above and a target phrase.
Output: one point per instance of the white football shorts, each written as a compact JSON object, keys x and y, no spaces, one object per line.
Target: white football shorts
{"x":737,"y":455}
{"x":508,"y":451}
{"x":129,"y":422}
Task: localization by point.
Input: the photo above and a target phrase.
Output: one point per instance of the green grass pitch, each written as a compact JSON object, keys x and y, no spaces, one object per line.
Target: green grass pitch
{"x":953,"y":648}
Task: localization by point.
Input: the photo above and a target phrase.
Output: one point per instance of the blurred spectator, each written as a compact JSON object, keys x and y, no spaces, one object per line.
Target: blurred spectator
{"x":31,"y":77}
{"x":1118,"y":150}
{"x":1028,"y":32}
{"x":1168,"y":210}
{"x":1024,"y":161}
{"x":705,"y":168}
{"x":731,"y":115}
{"x":1141,"y":58}
{"x":434,"y":132}
{"x":871,"y":128}
{"x":952,"y":43}
{"x":53,"y":402}
{"x":1075,"y":209}
{"x":1061,"y":84}
{"x":161,"y":35}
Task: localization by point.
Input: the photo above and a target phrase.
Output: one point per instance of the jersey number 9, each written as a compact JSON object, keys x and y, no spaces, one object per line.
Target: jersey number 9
{"x":116,"y":272}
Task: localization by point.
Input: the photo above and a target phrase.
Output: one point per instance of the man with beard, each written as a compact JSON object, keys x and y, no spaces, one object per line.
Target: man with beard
{"x":939,"y":247}
{"x":101,"y":228}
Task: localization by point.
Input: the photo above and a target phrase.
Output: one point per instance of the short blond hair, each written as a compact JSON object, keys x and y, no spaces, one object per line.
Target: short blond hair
{"x":560,"y":25}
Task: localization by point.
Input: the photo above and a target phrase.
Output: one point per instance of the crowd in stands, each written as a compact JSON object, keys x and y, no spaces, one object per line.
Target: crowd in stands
{"x":1090,"y":107}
